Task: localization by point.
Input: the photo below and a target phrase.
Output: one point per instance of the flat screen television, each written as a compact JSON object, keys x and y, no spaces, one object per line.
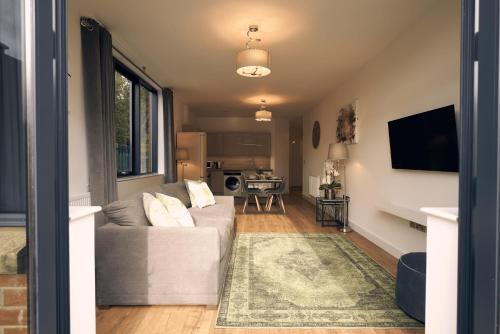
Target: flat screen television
{"x":425,"y":141}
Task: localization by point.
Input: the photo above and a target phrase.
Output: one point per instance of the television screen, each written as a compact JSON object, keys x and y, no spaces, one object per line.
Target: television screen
{"x":425,"y":141}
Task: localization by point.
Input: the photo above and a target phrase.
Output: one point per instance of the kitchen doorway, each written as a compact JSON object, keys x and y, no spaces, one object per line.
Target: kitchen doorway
{"x":296,"y":158}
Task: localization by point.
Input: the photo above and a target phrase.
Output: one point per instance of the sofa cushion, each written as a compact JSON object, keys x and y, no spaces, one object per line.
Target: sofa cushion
{"x":177,"y":190}
{"x":221,"y":216}
{"x":156,"y":212}
{"x":126,"y":213}
{"x":199,"y":193}
{"x":178,"y":210}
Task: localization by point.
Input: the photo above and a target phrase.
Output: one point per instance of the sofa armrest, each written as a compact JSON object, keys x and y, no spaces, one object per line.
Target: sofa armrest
{"x":151,"y":261}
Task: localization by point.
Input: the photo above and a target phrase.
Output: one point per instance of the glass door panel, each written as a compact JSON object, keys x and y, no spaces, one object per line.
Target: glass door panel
{"x":13,"y":174}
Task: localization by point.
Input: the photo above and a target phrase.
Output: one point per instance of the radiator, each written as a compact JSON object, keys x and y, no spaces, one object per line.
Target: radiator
{"x":314,"y":182}
{"x":80,"y":200}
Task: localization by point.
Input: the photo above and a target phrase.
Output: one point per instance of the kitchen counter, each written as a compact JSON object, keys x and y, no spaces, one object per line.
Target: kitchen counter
{"x":238,"y":169}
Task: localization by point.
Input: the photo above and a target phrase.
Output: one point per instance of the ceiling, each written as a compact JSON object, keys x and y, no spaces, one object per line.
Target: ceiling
{"x":191,"y":46}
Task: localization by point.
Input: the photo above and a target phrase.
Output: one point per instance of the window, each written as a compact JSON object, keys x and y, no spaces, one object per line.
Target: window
{"x":135,"y":124}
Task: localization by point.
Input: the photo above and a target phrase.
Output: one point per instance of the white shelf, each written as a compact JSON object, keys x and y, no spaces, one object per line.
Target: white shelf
{"x":404,"y":212}
{"x":450,"y":213}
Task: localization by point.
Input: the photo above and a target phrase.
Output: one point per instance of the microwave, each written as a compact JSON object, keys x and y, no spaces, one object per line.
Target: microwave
{"x":214,"y":164}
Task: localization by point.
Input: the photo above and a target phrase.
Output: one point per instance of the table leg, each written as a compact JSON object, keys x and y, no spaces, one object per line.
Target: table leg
{"x":258,"y":204}
{"x":345,"y":216}
{"x":322,"y":215}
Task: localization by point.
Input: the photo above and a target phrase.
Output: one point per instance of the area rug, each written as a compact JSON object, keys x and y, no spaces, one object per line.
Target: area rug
{"x":306,"y":280}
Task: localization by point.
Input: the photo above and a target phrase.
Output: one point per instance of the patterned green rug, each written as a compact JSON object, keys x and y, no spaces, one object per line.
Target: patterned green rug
{"x":306,"y":280}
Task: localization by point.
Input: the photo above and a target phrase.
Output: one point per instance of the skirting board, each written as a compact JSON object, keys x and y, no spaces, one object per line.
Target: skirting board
{"x":376,"y":239}
{"x":309,"y":198}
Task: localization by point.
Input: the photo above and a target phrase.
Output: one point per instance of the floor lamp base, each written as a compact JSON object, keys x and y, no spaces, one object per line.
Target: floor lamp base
{"x":344,"y":229}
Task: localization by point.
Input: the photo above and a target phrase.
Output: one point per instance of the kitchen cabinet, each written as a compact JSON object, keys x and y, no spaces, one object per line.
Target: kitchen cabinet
{"x":239,"y":144}
{"x":217,"y":181}
{"x":231,"y":146}
{"x":263,"y":144}
{"x":215,"y":144}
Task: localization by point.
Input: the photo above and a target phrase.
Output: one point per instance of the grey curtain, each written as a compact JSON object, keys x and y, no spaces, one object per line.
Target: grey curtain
{"x":168,"y":128}
{"x":98,"y":81}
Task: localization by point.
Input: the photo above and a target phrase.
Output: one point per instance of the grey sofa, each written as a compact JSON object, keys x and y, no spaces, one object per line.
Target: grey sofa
{"x":138,"y":264}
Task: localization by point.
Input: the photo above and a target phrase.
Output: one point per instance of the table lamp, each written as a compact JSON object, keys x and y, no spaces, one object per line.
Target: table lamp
{"x":182,"y":155}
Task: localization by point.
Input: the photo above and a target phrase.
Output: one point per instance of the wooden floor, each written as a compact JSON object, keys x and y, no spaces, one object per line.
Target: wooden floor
{"x":300,"y":217}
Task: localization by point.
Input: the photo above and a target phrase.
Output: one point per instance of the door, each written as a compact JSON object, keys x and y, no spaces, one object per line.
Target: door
{"x":13,"y":164}
{"x":33,"y":166}
{"x":296,"y":160}
{"x":479,"y":222}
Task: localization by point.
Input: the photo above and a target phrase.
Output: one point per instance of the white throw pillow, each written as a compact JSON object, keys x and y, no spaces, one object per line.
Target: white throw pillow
{"x":156,"y":212}
{"x":176,"y":209}
{"x":199,"y":193}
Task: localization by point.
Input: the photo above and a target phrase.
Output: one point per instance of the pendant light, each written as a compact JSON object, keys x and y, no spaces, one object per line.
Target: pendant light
{"x":263,"y":115}
{"x":253,"y":62}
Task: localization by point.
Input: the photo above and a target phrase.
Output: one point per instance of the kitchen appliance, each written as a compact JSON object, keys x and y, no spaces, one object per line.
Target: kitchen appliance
{"x":210,"y":164}
{"x":196,"y":144}
{"x":233,"y":183}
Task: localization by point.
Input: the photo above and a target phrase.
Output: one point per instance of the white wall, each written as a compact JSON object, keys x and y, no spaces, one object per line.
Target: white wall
{"x":77,"y":145}
{"x":77,"y":142}
{"x":417,"y":72}
{"x":232,"y":124}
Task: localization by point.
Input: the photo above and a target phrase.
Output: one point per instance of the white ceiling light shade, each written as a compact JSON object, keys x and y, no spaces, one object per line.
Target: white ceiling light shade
{"x":253,"y":62}
{"x":263,"y":115}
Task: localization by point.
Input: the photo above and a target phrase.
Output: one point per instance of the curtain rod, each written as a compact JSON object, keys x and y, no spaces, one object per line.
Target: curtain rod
{"x":140,"y":69}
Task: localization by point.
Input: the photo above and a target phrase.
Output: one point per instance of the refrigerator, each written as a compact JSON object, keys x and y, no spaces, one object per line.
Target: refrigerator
{"x":195,"y":167}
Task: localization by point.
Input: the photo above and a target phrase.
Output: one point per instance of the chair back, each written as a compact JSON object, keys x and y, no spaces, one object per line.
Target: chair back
{"x":282,"y":186}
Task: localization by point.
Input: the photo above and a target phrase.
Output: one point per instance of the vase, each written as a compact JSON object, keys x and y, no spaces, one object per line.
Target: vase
{"x":329,"y":193}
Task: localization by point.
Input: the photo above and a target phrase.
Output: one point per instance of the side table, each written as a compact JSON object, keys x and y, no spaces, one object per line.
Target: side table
{"x":334,"y":210}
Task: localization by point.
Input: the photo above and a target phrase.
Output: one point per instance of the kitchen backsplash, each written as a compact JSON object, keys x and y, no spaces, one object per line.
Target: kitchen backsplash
{"x":243,"y":162}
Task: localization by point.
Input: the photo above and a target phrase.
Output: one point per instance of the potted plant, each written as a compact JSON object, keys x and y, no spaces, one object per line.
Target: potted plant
{"x":329,"y":181}
{"x":330,"y":189}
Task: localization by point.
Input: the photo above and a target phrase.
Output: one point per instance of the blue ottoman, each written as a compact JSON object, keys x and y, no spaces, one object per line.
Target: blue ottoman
{"x":410,"y":285}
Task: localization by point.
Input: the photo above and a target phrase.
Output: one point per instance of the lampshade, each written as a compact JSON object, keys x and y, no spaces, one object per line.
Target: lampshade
{"x":263,"y":116}
{"x":182,"y":154}
{"x":337,"y":151}
{"x":253,"y":63}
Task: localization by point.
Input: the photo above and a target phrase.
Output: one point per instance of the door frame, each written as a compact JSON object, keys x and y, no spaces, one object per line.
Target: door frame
{"x":479,"y":204}
{"x":479,"y":173}
{"x":47,"y":147}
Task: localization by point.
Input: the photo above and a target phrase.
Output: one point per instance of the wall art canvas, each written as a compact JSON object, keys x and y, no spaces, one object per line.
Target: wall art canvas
{"x":347,"y":124}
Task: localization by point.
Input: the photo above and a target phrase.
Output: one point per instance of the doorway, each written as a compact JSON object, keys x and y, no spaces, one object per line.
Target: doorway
{"x":296,"y":155}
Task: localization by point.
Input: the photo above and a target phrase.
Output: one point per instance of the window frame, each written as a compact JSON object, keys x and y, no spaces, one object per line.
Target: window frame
{"x":135,"y":128}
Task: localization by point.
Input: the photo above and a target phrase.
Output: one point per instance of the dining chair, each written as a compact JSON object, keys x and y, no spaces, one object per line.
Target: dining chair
{"x":278,"y":193}
{"x":249,"y":193}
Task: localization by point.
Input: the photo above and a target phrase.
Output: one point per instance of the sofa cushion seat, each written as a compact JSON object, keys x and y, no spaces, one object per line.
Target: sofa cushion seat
{"x":221,"y":216}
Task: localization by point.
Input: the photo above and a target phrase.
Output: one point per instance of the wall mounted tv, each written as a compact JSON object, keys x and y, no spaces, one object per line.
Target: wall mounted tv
{"x":425,"y":141}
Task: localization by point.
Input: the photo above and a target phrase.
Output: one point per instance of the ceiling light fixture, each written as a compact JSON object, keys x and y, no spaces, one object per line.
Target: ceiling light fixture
{"x":252,"y":62}
{"x":263,"y":115}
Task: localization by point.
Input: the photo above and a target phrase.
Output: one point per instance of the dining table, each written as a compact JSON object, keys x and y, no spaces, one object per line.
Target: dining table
{"x":265,"y":184}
